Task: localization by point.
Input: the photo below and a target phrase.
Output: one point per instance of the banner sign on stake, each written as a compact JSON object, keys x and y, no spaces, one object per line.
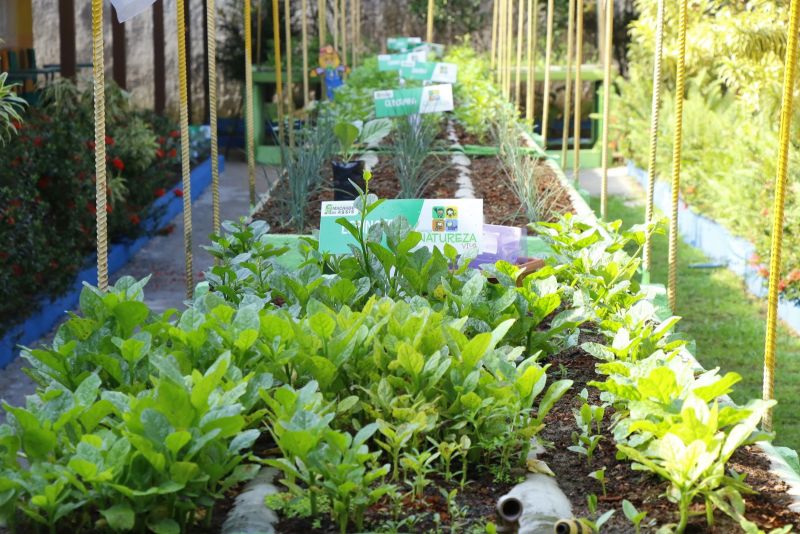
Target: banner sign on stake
{"x":457,"y":222}
{"x":429,"y":71}
{"x":402,"y":44}
{"x":388,"y":62}
{"x":428,"y":99}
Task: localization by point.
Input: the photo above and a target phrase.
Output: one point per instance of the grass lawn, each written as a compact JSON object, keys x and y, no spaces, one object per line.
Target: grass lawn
{"x":727,"y":323}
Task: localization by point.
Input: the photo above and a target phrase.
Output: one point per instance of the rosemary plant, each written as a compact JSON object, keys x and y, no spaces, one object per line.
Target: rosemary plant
{"x":414,"y":165}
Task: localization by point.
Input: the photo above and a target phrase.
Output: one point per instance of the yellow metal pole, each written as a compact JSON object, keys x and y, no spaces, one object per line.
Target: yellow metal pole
{"x":609,"y":37}
{"x":304,"y":30}
{"x":276,"y":36}
{"x":654,"y":119}
{"x":518,"y":69}
{"x":530,"y":94}
{"x":576,"y":156}
{"x":101,"y":195}
{"x":211,"y":30}
{"x":287,"y":18}
{"x":778,"y":208}
{"x":680,"y":84}
{"x":495,"y":20}
{"x":185,"y":163}
{"x":248,"y":96}
{"x":548,"y":56}
{"x":429,"y":34}
{"x":568,"y":86}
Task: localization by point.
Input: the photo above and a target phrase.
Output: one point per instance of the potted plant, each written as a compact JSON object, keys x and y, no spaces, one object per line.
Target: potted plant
{"x":353,"y":137}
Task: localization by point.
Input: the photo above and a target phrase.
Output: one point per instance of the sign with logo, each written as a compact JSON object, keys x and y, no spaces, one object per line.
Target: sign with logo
{"x":428,"y":99}
{"x":387,"y":62}
{"x":429,"y":71}
{"x":435,"y":49}
{"x":458,"y":222}
{"x":402,"y":44}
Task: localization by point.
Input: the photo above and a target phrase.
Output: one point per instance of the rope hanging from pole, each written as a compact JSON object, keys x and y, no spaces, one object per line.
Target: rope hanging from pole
{"x":548,"y":56}
{"x":568,"y":85}
{"x":518,"y":70}
{"x":778,"y":208}
{"x":185,"y":163}
{"x":680,"y":85}
{"x":609,"y":40}
{"x":654,"y":118}
{"x":429,"y":34}
{"x":248,"y":104}
{"x":287,"y":18}
{"x":211,"y":18}
{"x":101,"y":195}
{"x":530,"y":94}
{"x":576,"y":145}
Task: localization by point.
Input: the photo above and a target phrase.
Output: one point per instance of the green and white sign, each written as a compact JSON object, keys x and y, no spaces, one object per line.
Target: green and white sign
{"x":457,"y":222}
{"x":429,"y":71}
{"x":434,"y":48}
{"x":428,"y":99}
{"x":388,"y":62}
{"x":402,"y":44}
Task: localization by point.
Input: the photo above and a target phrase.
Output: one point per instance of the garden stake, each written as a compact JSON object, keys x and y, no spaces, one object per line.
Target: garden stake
{"x":568,"y":88}
{"x":101,"y":216}
{"x":429,"y":34}
{"x":276,"y":34}
{"x":287,"y":17}
{"x":501,"y":23}
{"x":304,"y":32}
{"x":510,"y":47}
{"x":344,"y":35}
{"x":185,"y":163}
{"x":530,"y":100}
{"x":576,"y":145}
{"x":654,"y":116}
{"x":211,"y":31}
{"x":248,"y":97}
{"x":778,"y":207}
{"x":517,"y":80}
{"x":680,"y":85}
{"x":548,"y":56}
{"x":335,"y":26}
{"x":493,"y":56}
{"x":606,"y":101}
{"x":321,"y":9}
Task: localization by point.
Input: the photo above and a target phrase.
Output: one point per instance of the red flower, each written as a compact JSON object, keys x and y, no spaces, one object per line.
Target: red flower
{"x":172,"y":153}
{"x":763,"y":271}
{"x":109,"y":208}
{"x":91,"y":208}
{"x":782,"y":285}
{"x":135,"y":220}
{"x":90,"y":145}
{"x":37,"y":141}
{"x":794,"y":275}
{"x":160,"y":192}
{"x":178,"y":192}
{"x":43,"y":183}
{"x":17,"y":269}
{"x":162,"y":140}
{"x":117,"y":163}
{"x":175,"y":133}
{"x":109,"y":140}
{"x":15,"y":203}
{"x":10,"y":220}
{"x":159,"y":153}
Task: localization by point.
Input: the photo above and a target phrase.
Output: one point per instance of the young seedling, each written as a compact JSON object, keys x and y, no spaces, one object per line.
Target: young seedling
{"x":596,"y":524}
{"x":600,"y":476}
{"x":396,"y":438}
{"x":419,"y":463}
{"x":633,"y":515}
{"x":448,"y":451}
{"x":589,"y":419}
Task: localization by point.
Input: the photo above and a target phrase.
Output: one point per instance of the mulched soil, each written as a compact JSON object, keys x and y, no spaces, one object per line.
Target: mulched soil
{"x":500,"y":205}
{"x":467,"y":138}
{"x":384,"y":184}
{"x":768,"y":508}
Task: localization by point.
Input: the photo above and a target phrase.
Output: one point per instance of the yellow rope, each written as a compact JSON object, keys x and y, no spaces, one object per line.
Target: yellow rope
{"x":276,"y":38}
{"x":101,"y":215}
{"x":185,"y":163}
{"x":548,"y":56}
{"x":518,"y":70}
{"x":248,"y":104}
{"x":778,"y":208}
{"x":533,"y":22}
{"x":211,"y":18}
{"x":654,"y":116}
{"x":287,"y":18}
{"x":495,"y":20}
{"x":568,"y":85}
{"x":609,"y":39}
{"x":680,"y":85}
{"x":576,"y":146}
{"x":429,"y":34}
{"x":304,"y":8}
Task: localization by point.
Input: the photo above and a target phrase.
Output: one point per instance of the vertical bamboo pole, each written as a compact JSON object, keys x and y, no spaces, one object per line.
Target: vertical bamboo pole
{"x":276,"y":36}
{"x":510,"y":46}
{"x":609,"y":37}
{"x":357,"y":28}
{"x":183,"y":89}
{"x":287,"y":28}
{"x":429,"y":34}
{"x":518,"y":69}
{"x":778,"y":209}
{"x":533,"y":22}
{"x":248,"y":97}
{"x":211,"y":32}
{"x":548,"y":56}
{"x":568,"y":85}
{"x":258,"y":32}
{"x":322,"y":8}
{"x":576,"y":155}
{"x":495,"y":21}
{"x":335,"y":27}
{"x":501,"y":22}
{"x":101,"y":195}
{"x":680,"y":84}
{"x":304,"y":32}
{"x":344,"y":32}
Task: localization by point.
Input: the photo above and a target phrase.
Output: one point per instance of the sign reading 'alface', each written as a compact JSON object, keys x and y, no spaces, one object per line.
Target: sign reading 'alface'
{"x":399,"y":102}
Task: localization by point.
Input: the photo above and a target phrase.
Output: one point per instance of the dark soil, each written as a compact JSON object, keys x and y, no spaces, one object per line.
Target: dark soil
{"x":467,"y":138}
{"x":384,"y":184}
{"x":500,"y":205}
{"x":768,"y":508}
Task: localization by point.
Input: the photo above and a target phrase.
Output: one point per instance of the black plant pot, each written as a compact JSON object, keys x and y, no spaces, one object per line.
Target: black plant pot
{"x":343,"y":173}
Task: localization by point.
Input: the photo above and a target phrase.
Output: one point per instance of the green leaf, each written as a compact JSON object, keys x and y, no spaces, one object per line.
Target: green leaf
{"x":164,"y":526}
{"x":346,"y":133}
{"x":120,"y":516}
{"x":129,"y":315}
{"x":176,"y":440}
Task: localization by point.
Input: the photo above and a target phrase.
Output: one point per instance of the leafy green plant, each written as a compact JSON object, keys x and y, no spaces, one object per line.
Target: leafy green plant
{"x":10,"y":107}
{"x":600,"y":476}
{"x":634,"y":516}
{"x":419,"y":465}
{"x":353,"y":136}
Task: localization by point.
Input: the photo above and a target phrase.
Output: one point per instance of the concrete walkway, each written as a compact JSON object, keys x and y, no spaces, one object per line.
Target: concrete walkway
{"x":619,"y":183}
{"x":163,"y":258}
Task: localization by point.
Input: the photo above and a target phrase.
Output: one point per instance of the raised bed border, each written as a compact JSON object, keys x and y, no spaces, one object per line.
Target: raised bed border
{"x":718,"y":243}
{"x":51,"y":310}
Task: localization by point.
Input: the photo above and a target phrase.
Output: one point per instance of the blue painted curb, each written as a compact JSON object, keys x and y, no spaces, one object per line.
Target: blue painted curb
{"x":717,"y":243}
{"x":52,"y":310}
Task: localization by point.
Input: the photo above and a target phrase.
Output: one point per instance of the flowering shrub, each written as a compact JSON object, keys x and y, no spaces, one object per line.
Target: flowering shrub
{"x":47,"y":190}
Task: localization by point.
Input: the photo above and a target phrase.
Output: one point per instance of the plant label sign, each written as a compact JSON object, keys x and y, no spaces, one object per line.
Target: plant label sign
{"x":402,"y":44}
{"x":434,"y":48}
{"x":388,"y":62}
{"x":457,"y":222}
{"x":428,"y":99}
{"x":429,"y":71}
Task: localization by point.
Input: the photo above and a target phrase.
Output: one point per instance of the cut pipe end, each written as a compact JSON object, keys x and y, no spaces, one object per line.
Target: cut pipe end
{"x":509,"y":508}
